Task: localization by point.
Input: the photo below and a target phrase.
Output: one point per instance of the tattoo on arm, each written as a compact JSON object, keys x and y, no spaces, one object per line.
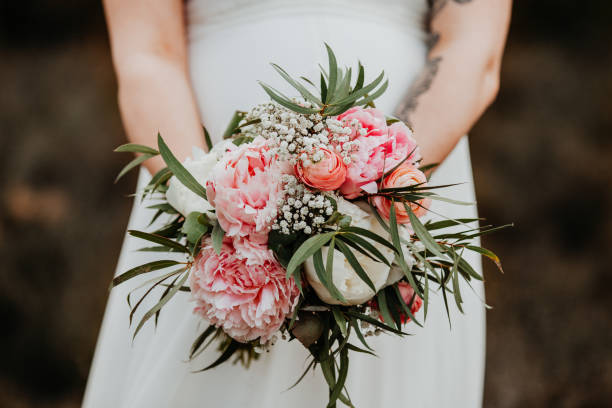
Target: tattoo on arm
{"x":423,"y":82}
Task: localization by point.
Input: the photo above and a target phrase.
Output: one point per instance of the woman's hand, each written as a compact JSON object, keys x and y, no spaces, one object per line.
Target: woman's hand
{"x":461,"y":76}
{"x":150,"y":56}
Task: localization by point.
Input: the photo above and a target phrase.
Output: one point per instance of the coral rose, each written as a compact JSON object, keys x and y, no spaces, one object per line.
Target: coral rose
{"x":327,"y":174}
{"x":244,"y":188}
{"x":248,"y":301}
{"x":405,"y":175}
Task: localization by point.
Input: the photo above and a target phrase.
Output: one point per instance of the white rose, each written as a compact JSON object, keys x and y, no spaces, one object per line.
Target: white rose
{"x":349,"y":284}
{"x":200,"y":165}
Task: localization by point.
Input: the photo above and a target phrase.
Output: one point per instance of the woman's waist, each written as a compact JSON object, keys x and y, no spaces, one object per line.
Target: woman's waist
{"x":210,"y":15}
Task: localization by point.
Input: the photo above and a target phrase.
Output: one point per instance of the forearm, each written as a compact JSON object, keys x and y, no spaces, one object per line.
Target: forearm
{"x":149,"y":48}
{"x":461,"y":76}
{"x":156,"y":96}
{"x":456,"y":99}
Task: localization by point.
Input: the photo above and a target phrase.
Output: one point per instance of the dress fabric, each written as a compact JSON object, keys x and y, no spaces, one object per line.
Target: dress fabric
{"x":230,"y":46}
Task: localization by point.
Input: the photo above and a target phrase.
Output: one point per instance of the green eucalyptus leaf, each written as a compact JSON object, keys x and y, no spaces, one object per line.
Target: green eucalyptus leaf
{"x":139,"y":270}
{"x":134,"y":163}
{"x":158,"y":239}
{"x":340,"y":320}
{"x":350,"y":257}
{"x":161,"y":303}
{"x":136,"y":148}
{"x":324,"y":274}
{"x":199,"y":341}
{"x":233,"y":124}
{"x":207,"y":139}
{"x":488,"y":253}
{"x":178,"y":170}
{"x":228,"y":352}
{"x":306,"y":250}
{"x":424,"y":235}
{"x":286,"y":102}
{"x":333,"y":74}
{"x":306,"y":94}
{"x":217,"y":238}
{"x":193,"y":228}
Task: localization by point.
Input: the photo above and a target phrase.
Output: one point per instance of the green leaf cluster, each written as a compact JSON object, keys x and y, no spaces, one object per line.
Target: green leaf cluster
{"x":336,"y":93}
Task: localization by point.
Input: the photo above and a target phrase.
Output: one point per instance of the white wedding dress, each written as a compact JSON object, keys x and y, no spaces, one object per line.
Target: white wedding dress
{"x":230,"y":46}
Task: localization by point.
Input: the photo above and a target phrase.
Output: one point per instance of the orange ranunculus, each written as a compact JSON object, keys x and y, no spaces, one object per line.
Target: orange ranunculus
{"x":326,"y":174}
{"x":403,"y":176}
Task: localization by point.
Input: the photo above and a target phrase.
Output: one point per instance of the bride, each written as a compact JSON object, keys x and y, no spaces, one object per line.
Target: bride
{"x":180,"y":64}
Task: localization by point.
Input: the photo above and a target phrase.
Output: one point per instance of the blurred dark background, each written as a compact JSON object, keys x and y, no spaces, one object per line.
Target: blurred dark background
{"x":541,"y":156}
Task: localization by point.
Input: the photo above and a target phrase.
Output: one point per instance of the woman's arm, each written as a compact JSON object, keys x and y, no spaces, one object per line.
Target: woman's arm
{"x":150,"y":56}
{"x":461,"y":77}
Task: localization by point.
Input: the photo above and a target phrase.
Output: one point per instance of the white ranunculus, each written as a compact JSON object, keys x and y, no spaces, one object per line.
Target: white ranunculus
{"x":200,"y":165}
{"x":349,"y":284}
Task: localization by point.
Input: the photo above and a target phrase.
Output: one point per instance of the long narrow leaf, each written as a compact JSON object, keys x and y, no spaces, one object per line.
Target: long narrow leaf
{"x":306,"y":250}
{"x":136,"y":148}
{"x":350,"y":257}
{"x":134,"y":163}
{"x":139,"y":270}
{"x":161,"y":303}
{"x":178,"y":170}
{"x":158,"y":239}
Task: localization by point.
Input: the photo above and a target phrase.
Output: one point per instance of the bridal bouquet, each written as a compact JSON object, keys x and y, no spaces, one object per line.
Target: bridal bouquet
{"x":303,"y":223}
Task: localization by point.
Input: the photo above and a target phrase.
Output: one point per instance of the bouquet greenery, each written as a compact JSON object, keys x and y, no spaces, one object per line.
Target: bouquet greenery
{"x":304,"y":221}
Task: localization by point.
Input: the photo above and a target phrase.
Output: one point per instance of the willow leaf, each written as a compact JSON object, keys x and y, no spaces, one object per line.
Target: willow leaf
{"x":306,"y":250}
{"x":158,"y":239}
{"x":217,"y":237}
{"x":161,"y":303}
{"x":134,"y":163}
{"x":178,"y":170}
{"x":333,"y":74}
{"x":324,"y":274}
{"x":136,"y":148}
{"x":306,"y":94}
{"x":199,"y":341}
{"x":139,"y":270}
{"x":424,"y":235}
{"x":340,"y":320}
{"x":352,"y":260}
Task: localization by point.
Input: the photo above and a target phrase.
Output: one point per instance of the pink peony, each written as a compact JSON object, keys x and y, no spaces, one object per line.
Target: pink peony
{"x":370,"y":119}
{"x":381,"y":148}
{"x":244,"y":188}
{"x":405,"y":175}
{"x":400,"y":144}
{"x":248,"y":301}
{"x":367,"y":163}
{"x":327,"y":174}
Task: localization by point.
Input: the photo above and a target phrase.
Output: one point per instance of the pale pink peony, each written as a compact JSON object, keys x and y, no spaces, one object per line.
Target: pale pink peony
{"x":367,"y":163}
{"x":327,"y":174}
{"x":380,"y":149}
{"x":244,"y":188}
{"x":405,"y":175}
{"x":400,"y":144}
{"x":371,"y":119}
{"x":248,"y":301}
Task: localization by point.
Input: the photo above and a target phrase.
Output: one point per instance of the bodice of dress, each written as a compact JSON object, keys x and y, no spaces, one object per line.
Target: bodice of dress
{"x":232,"y":42}
{"x":408,"y":13}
